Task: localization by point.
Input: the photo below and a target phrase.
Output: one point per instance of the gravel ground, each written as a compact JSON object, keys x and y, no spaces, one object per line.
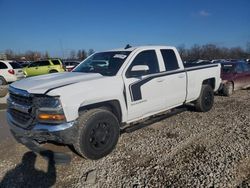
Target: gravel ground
{"x":190,"y":149}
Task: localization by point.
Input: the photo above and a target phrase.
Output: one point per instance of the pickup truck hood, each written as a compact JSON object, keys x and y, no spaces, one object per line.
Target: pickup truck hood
{"x":41,"y":84}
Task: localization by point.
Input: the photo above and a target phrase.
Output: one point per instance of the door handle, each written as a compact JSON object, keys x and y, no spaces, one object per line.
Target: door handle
{"x":181,"y":76}
{"x":160,"y":79}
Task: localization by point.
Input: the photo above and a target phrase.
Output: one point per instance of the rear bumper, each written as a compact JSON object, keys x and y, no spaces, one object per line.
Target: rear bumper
{"x":62,"y":133}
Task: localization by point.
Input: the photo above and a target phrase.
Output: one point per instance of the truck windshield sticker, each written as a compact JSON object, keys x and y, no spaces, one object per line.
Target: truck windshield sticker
{"x":120,"y":56}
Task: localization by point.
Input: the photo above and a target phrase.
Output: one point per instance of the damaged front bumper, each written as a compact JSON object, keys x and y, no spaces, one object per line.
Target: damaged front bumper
{"x":41,"y":133}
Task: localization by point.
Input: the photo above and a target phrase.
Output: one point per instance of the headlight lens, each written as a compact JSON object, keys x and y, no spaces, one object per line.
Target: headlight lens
{"x":49,"y":110}
{"x":47,"y":102}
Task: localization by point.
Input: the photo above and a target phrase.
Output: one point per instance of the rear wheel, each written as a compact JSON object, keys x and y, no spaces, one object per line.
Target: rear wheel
{"x":53,"y":71}
{"x":206,"y":99}
{"x":228,"y":89}
{"x":98,"y":135}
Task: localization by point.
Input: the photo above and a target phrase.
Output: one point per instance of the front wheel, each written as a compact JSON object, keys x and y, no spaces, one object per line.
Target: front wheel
{"x":206,"y":99}
{"x":98,"y":134}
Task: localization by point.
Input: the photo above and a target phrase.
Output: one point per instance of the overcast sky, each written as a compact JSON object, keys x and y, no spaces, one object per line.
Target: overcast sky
{"x":63,"y":25}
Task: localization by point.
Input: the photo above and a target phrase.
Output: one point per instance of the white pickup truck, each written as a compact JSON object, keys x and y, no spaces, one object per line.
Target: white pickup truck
{"x":86,"y":108}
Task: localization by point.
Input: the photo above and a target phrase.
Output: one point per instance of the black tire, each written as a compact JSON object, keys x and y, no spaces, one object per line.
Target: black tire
{"x":53,"y":71}
{"x":206,"y":99}
{"x":228,"y":89}
{"x":2,"y":81}
{"x":98,"y":133}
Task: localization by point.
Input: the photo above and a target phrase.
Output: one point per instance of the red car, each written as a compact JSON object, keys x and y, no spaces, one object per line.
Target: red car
{"x":235,"y":76}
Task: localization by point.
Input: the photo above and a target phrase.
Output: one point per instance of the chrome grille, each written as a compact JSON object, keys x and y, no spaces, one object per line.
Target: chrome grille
{"x":21,"y":118}
{"x":20,"y":107}
{"x":27,"y":101}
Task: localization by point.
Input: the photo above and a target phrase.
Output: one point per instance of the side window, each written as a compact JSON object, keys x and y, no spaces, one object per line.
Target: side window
{"x":170,"y":60}
{"x":34,"y":64}
{"x":245,"y":67}
{"x":3,"y":66}
{"x":147,"y":57}
{"x":44,"y":63}
{"x":55,"y":62}
{"x":239,"y":68}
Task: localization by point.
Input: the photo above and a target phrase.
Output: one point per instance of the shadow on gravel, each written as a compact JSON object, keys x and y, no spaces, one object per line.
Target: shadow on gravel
{"x":25,"y":175}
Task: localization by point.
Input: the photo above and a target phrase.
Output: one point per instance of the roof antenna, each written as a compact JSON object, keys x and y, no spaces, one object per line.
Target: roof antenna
{"x":127,"y":46}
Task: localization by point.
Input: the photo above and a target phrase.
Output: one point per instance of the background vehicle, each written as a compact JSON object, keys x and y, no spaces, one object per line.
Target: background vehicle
{"x":235,"y":75}
{"x":10,"y":71}
{"x":24,"y":63}
{"x":86,"y":108}
{"x":70,"y":65}
{"x":44,"y":67}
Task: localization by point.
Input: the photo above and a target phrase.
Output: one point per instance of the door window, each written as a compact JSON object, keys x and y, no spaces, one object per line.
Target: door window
{"x":246,"y":67}
{"x":34,"y":64}
{"x":15,"y":65}
{"x":170,"y":60}
{"x":148,"y":58}
{"x":239,"y":68}
{"x":44,"y":63}
{"x":56,"y":62}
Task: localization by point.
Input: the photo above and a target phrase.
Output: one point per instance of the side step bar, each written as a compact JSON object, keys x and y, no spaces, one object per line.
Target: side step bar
{"x":133,"y":127}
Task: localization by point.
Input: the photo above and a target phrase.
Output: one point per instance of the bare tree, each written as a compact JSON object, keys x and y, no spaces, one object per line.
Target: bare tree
{"x":46,"y":55}
{"x":9,"y":54}
{"x":90,"y":52}
{"x":72,"y":54}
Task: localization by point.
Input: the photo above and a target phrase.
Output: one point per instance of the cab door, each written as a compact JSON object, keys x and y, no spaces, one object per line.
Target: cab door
{"x":143,"y":85}
{"x":43,"y":67}
{"x":31,"y":70}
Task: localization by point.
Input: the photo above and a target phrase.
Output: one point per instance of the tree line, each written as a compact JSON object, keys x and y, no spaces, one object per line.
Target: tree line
{"x":205,"y":52}
{"x":212,"y":51}
{"x":36,"y":55}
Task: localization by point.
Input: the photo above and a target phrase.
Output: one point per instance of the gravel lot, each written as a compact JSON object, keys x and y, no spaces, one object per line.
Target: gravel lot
{"x":186,"y":150}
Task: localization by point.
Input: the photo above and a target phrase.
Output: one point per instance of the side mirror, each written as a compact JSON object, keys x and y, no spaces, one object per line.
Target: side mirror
{"x":138,"y":70}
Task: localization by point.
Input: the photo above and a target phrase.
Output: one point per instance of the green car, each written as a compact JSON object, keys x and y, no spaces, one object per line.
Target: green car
{"x":44,"y":67}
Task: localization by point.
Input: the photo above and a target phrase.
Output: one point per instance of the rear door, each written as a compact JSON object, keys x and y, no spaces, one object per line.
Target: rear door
{"x":32,"y":69}
{"x":174,"y":87}
{"x":44,"y":67}
{"x":144,"y":91}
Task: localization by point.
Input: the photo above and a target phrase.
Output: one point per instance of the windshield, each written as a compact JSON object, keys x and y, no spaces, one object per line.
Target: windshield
{"x":105,"y":63}
{"x":227,"y":68}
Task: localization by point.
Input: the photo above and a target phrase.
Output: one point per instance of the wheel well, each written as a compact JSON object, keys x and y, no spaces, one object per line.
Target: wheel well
{"x":210,"y":81}
{"x":53,"y":70}
{"x":113,"y":106}
{"x":232,"y":83}
{"x":3,"y":79}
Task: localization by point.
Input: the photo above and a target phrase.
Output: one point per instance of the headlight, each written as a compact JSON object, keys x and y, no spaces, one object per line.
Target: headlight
{"x":47,"y":102}
{"x":49,"y":110}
